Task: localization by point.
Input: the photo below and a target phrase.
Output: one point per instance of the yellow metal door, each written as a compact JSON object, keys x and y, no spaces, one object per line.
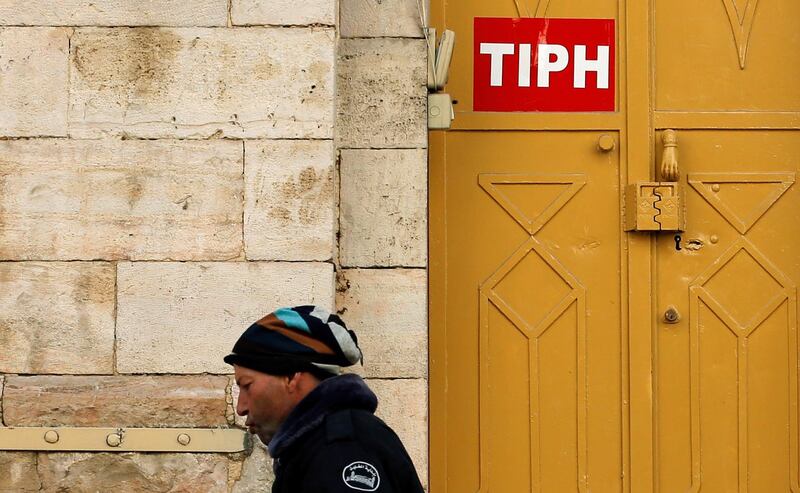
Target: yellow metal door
{"x":726,"y":373}
{"x":726,"y":370}
{"x":533,"y":345}
{"x":553,"y":365}
{"x":527,"y":341}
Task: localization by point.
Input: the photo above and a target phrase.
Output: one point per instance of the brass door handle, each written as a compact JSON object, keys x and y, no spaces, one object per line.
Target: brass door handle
{"x":669,"y":159}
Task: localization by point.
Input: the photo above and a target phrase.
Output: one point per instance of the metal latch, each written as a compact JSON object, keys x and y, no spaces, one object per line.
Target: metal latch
{"x":658,"y":205}
{"x":654,"y":206}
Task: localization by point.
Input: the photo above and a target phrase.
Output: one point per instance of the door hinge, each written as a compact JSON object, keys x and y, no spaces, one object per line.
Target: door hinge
{"x":79,"y":439}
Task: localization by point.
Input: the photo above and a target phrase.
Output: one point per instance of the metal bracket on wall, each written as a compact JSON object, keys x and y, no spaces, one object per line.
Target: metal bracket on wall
{"x":76,"y":439}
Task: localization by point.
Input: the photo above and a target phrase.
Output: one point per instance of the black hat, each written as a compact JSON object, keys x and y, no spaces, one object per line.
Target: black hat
{"x":301,"y":338}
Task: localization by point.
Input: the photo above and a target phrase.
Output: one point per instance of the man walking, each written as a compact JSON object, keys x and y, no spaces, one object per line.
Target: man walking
{"x":319,"y":425}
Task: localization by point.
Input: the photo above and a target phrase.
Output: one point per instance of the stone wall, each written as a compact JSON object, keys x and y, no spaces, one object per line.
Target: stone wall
{"x":172,"y":170}
{"x":381,"y":136}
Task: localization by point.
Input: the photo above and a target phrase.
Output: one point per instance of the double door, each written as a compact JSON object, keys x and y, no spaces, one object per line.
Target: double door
{"x":568,"y":354}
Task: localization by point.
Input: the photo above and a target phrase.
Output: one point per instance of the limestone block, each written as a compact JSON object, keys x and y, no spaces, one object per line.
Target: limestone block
{"x":198,"y":83}
{"x":257,"y":475}
{"x":195,"y":401}
{"x":185,"y":317}
{"x":289,"y":200}
{"x":112,"y":199}
{"x":381,"y":94}
{"x":2,"y":386}
{"x":133,"y":473}
{"x":403,"y":405}
{"x":18,"y":473}
{"x":383,"y":208}
{"x":380,"y":18}
{"x":33,"y":81}
{"x":114,"y":13}
{"x":387,"y":309}
{"x":56,"y":317}
{"x":283,"y":12}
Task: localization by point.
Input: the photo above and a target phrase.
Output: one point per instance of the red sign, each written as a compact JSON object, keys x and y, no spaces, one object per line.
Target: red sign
{"x":544,"y":64}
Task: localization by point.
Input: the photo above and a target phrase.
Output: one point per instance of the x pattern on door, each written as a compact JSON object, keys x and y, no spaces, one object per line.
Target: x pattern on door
{"x":743,"y":250}
{"x":533,"y":329}
{"x":742,"y":259}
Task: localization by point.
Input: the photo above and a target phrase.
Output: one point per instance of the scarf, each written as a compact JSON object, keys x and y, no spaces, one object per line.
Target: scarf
{"x":346,"y":391}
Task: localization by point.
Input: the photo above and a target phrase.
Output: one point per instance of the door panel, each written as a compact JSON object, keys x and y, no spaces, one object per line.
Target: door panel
{"x":533,"y":313}
{"x":726,"y":372}
{"x":721,"y":55}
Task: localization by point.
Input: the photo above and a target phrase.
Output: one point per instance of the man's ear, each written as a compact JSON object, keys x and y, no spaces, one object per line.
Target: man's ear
{"x":293,"y":381}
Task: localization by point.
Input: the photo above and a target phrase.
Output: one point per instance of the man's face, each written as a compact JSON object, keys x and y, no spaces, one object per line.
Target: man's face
{"x":266,"y":400}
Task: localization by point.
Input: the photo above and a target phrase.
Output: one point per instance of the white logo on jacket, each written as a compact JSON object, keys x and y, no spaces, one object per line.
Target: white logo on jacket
{"x":361,"y":476}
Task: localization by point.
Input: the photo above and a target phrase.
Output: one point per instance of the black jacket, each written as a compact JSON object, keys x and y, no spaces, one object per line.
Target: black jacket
{"x":333,"y":443}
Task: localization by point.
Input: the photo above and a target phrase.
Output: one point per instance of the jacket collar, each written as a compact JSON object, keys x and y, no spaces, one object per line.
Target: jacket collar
{"x":333,"y":394}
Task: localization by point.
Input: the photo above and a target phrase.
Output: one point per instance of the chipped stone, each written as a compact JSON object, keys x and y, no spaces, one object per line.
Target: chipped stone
{"x":18,"y":473}
{"x":198,"y":83}
{"x":387,"y":309}
{"x":289,"y":206}
{"x":230,"y":408}
{"x":381,"y":94}
{"x":112,"y":199}
{"x":383,"y":208}
{"x":140,"y":401}
{"x":238,"y":420}
{"x":133,"y":472}
{"x":56,"y":317}
{"x":114,"y":13}
{"x":380,"y":18}
{"x":257,"y":475}
{"x":403,"y":405}
{"x":283,"y":12}
{"x":33,"y":85}
{"x":185,"y":317}
{"x":234,"y":473}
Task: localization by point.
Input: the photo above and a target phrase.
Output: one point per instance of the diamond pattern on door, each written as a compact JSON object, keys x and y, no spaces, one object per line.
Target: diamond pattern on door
{"x":532,"y":201}
{"x":742,"y":308}
{"x":767,"y":285}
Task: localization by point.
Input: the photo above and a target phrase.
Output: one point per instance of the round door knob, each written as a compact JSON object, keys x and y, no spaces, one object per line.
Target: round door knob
{"x":606,"y":143}
{"x":671,"y":316}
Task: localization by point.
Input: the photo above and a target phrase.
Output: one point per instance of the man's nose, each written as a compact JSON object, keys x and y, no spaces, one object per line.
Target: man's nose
{"x":241,"y":407}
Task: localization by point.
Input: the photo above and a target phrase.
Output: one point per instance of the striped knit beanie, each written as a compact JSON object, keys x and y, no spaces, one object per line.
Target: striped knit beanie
{"x":301,"y":338}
